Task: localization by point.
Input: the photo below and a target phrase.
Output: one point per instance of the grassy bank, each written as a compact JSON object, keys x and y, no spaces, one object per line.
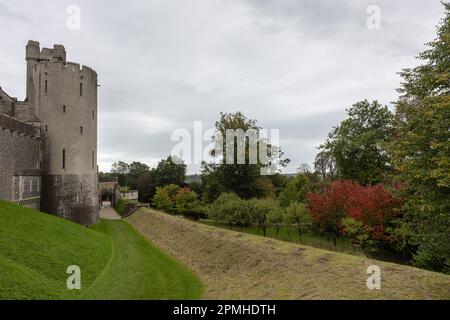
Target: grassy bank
{"x":115,"y":261}
{"x":37,"y":248}
{"x":235,"y":265}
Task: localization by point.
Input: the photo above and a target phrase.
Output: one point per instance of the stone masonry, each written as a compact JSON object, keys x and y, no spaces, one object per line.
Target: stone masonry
{"x":48,"y":142}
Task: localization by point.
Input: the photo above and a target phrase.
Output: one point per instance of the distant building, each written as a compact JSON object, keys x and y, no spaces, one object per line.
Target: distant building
{"x":130,"y":195}
{"x":48,"y":142}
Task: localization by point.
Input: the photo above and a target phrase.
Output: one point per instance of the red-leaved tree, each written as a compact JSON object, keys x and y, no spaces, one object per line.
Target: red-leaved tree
{"x":374,"y":206}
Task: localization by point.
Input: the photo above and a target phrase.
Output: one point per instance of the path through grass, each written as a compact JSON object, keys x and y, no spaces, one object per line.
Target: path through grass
{"x":139,"y":270}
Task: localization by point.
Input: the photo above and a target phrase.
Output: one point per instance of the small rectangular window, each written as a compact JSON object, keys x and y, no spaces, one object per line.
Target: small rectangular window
{"x":64,"y":158}
{"x":93,"y":114}
{"x":64,"y":109}
{"x":46,"y":128}
{"x":81,"y":89}
{"x":46,"y":86}
{"x":93,"y":159}
{"x":81,"y":129}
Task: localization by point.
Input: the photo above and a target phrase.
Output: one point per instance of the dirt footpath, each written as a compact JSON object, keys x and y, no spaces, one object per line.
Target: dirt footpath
{"x":109,"y":214}
{"x":233,"y":265}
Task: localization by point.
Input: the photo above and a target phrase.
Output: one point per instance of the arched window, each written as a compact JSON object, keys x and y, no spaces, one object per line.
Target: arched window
{"x":46,"y":128}
{"x":81,"y":129}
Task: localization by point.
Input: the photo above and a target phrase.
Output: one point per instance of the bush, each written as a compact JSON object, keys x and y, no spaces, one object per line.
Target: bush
{"x":186,"y":201}
{"x":297,"y":215}
{"x":162,"y":200}
{"x":373,"y":206}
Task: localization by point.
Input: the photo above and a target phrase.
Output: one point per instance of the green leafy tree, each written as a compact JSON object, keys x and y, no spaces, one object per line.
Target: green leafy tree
{"x":240,"y":178}
{"x":358,"y":144}
{"x":170,"y":171}
{"x":297,"y":215}
{"x":295,"y":191}
{"x":358,"y":234}
{"x":275,"y":219}
{"x":288,"y":195}
{"x":162,"y":200}
{"x":421,"y":151}
{"x":186,"y":201}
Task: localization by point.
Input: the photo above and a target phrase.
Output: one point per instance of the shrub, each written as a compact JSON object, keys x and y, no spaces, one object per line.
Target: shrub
{"x":373,"y":206}
{"x":186,"y":201}
{"x":162,"y":200}
{"x":297,"y":215}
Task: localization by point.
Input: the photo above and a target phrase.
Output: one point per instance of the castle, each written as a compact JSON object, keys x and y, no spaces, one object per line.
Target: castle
{"x":48,"y":142}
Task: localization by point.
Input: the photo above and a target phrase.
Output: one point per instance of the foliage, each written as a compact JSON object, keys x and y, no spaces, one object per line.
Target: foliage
{"x":162,"y":200}
{"x":186,"y":201}
{"x":421,"y":151}
{"x":120,"y":206}
{"x":296,"y":214}
{"x":242,"y":179}
{"x":288,"y":195}
{"x":358,"y":234}
{"x":357,"y":144}
{"x":275,"y":219}
{"x":375,"y":207}
{"x":170,"y":171}
{"x":295,"y":191}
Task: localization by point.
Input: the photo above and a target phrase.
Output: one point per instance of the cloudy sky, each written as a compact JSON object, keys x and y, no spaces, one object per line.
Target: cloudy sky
{"x":294,"y":65}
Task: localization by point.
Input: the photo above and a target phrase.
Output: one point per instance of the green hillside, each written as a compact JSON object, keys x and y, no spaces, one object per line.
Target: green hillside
{"x":37,"y":248}
{"x":115,"y":261}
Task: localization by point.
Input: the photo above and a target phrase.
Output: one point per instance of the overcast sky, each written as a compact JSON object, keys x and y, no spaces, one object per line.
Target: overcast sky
{"x":293,"y":65}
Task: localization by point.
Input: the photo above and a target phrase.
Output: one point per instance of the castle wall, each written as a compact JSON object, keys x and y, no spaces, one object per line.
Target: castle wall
{"x":65,"y":101}
{"x":6,"y":104}
{"x":20,"y":179}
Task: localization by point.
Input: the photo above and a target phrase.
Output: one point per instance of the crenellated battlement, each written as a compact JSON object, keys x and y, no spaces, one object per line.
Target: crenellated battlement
{"x":70,"y":67}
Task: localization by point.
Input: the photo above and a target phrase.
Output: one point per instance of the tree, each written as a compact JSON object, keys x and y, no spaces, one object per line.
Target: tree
{"x":261,"y":209}
{"x":295,"y":191}
{"x":216,"y":209}
{"x":240,"y":178}
{"x":162,"y":200}
{"x":357,"y":233}
{"x":325,"y":164}
{"x":170,"y":171}
{"x":186,"y":201}
{"x":288,"y":195}
{"x":297,"y":214}
{"x":275,"y":219}
{"x":358,"y":144}
{"x":421,"y":151}
{"x":374,"y":206}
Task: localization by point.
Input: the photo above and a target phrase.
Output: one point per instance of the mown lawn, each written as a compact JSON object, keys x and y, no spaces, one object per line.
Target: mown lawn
{"x":115,"y":261}
{"x":37,"y":248}
{"x":139,"y":270}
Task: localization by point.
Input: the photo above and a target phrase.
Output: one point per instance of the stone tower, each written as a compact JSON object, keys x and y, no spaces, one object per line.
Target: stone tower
{"x":64,"y":97}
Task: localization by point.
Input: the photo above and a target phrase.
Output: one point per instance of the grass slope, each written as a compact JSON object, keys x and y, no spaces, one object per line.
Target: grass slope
{"x":115,"y":261}
{"x":139,"y":270}
{"x":36,"y":249}
{"x":235,"y":265}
